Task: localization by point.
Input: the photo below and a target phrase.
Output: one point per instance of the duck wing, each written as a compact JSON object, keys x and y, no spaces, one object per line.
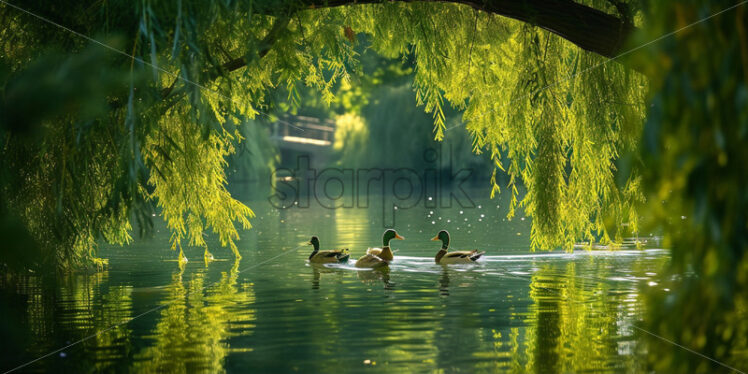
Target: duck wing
{"x":374,"y":251}
{"x":333,"y":255}
{"x":462,"y":256}
{"x":342,"y":255}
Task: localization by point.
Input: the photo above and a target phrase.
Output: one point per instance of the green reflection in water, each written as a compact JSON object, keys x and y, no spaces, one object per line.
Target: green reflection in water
{"x":192,"y":330}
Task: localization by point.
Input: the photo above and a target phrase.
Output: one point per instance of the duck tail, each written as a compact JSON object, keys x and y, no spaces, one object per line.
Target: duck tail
{"x":477,"y":255}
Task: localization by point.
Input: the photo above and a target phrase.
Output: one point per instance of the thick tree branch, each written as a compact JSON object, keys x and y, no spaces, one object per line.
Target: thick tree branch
{"x":590,"y":29}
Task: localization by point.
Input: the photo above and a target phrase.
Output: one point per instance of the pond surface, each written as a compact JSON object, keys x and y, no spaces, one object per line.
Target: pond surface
{"x":514,"y":311}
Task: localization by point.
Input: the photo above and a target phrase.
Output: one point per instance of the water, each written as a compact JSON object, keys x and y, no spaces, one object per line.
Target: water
{"x":515,"y":311}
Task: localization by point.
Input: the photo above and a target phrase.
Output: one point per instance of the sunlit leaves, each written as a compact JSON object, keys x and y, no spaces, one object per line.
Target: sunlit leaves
{"x":191,"y":188}
{"x":560,"y":116}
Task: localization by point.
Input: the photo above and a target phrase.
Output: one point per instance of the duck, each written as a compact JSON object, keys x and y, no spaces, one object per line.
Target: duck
{"x":327,"y":256}
{"x":385,"y":253}
{"x":456,"y":257}
{"x":379,"y":257}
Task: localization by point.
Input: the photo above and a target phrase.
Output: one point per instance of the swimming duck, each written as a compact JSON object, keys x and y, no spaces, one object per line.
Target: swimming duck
{"x":328,"y":256}
{"x":385,"y":253}
{"x":456,"y":257}
{"x":379,"y":257}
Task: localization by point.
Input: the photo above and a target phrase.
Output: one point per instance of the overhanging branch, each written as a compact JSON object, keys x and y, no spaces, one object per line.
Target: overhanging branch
{"x":589,"y":28}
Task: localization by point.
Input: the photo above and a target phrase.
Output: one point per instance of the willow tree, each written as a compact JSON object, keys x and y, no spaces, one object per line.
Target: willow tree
{"x":102,"y":137}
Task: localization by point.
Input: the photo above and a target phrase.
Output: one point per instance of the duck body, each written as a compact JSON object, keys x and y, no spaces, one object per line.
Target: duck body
{"x":330,"y":256}
{"x":383,"y":253}
{"x":379,"y":257}
{"x":327,"y":256}
{"x":457,"y":257}
{"x":445,"y":257}
{"x":371,"y":261}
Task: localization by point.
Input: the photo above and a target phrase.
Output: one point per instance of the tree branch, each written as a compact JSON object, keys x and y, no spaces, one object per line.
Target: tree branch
{"x":265,"y":46}
{"x":589,"y":28}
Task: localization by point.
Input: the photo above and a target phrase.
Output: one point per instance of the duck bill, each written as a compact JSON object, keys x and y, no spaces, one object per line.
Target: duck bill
{"x":397,"y":236}
{"x":435,"y":239}
{"x":309,"y":243}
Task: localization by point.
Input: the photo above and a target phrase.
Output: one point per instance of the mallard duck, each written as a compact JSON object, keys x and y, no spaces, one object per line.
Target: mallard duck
{"x":328,"y":256}
{"x":378,"y":257}
{"x":385,"y":253}
{"x":456,"y":257}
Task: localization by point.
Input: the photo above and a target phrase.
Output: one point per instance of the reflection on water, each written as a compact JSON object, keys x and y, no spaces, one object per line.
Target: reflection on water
{"x":444,"y":281}
{"x":512,"y":312}
{"x":193,"y":328}
{"x":372,"y":277}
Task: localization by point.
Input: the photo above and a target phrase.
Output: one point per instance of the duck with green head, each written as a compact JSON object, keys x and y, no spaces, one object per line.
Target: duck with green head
{"x":376,"y":257}
{"x":328,"y":256}
{"x":455,"y":257}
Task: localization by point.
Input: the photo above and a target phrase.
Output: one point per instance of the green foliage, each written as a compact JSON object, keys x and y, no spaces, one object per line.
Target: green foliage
{"x":89,"y":143}
{"x":694,"y":146}
{"x":189,"y":181}
{"x":521,"y":95}
{"x":58,"y":185}
{"x":153,"y":138}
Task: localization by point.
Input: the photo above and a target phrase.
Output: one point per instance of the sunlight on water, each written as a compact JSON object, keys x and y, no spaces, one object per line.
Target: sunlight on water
{"x":513,"y":311}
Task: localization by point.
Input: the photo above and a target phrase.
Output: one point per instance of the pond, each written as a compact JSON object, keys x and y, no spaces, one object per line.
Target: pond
{"x":513,"y":311}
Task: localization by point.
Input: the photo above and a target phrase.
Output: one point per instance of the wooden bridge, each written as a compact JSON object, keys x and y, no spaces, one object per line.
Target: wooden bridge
{"x":303,"y":136}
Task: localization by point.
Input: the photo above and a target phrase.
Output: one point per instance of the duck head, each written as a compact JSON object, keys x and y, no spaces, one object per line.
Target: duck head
{"x":444,"y":237}
{"x":314,"y":242}
{"x":389,"y":235}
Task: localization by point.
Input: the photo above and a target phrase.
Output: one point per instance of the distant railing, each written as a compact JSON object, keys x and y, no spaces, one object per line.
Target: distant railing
{"x":304,"y":130}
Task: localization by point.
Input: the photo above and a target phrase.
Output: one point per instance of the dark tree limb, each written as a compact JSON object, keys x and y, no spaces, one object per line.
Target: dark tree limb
{"x":589,"y":28}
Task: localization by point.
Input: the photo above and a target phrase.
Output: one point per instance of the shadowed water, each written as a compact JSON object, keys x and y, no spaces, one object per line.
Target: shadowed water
{"x":514,"y":311}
